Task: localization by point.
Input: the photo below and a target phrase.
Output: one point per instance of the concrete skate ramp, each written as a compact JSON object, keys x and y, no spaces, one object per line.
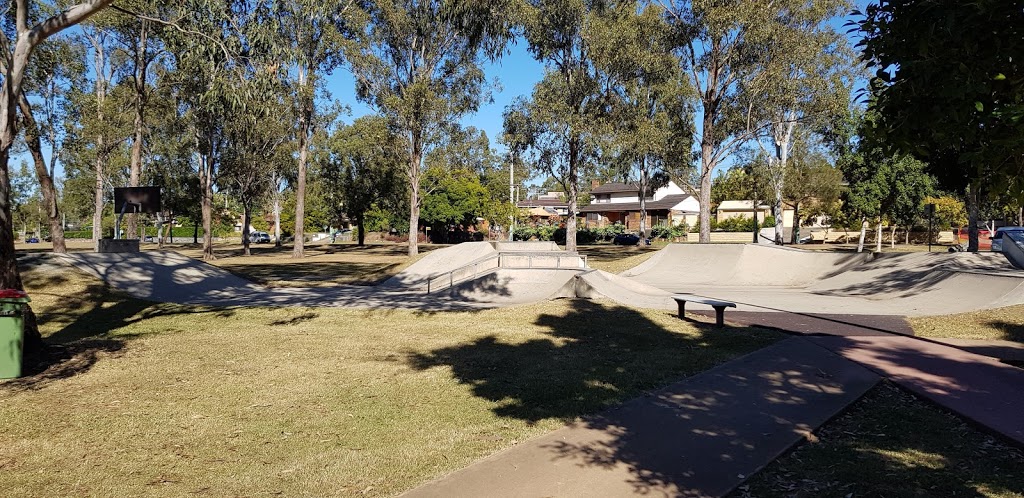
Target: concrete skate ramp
{"x":514,"y":286}
{"x":762,"y":278}
{"x":528,"y":246}
{"x":598,"y":284}
{"x":161,"y":276}
{"x":439,"y":261}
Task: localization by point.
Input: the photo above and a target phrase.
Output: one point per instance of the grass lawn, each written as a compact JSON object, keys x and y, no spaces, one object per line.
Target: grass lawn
{"x":324,"y":264}
{"x":1001,"y":323}
{"x":158,"y":399}
{"x":617,"y":259}
{"x":895,"y":445}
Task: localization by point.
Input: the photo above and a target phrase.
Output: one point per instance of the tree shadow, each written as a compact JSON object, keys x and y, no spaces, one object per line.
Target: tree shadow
{"x":1011,"y":331}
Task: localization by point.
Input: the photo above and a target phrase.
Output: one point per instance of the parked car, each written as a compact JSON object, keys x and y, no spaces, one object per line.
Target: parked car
{"x":626,"y":239}
{"x":259,"y":238}
{"x":997,"y":239}
{"x":33,"y":240}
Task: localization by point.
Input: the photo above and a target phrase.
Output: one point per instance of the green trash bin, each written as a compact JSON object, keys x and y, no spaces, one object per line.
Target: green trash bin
{"x":12,"y":332}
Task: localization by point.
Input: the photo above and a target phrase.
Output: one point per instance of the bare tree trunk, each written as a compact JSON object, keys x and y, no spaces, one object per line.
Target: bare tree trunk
{"x":795,"y":236}
{"x":878,"y":236}
{"x":644,"y":180}
{"x":892,"y":236}
{"x":362,"y":229}
{"x":135,"y":174}
{"x":414,"y":198}
{"x":573,"y":185}
{"x":206,"y":182}
{"x":972,"y":217}
{"x":863,"y":232}
{"x":305,"y":118}
{"x":707,"y":161}
{"x":46,"y":186}
{"x":246,"y":220}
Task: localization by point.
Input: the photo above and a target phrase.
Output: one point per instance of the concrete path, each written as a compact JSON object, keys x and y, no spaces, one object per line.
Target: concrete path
{"x":976,"y":387}
{"x":700,"y":437}
{"x":1001,"y":350}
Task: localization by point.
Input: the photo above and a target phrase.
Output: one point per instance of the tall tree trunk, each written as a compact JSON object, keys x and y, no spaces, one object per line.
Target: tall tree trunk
{"x":414,"y":197}
{"x":277,"y":219}
{"x":863,"y":232}
{"x":707,"y":161}
{"x":892,"y":236}
{"x":361,"y":228}
{"x":195,"y":232}
{"x":97,"y":213}
{"x":783,"y":135}
{"x":206,"y":182}
{"x":246,"y":220}
{"x":573,"y":184}
{"x":972,"y":216}
{"x":305,"y":118}
{"x":46,"y":185}
{"x":795,"y":236}
{"x":878,"y":236}
{"x":141,"y":64}
{"x":644,"y":180}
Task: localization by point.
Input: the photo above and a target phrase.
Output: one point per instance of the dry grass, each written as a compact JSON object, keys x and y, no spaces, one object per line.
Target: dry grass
{"x":895,"y":445}
{"x":617,"y":259}
{"x":157,"y":399}
{"x":324,"y":264}
{"x":1005,"y":324}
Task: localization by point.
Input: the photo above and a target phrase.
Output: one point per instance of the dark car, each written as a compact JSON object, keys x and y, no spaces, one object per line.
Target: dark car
{"x":33,"y":240}
{"x":259,"y":238}
{"x":626,"y":239}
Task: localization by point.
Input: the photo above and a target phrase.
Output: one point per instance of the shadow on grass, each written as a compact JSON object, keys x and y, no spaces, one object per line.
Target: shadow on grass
{"x":892,"y":444}
{"x":89,"y":321}
{"x":594,"y":356}
{"x":1011,"y":331}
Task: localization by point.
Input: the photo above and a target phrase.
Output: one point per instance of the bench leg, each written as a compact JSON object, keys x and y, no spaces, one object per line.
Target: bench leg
{"x":682,"y":309}
{"x":719,"y":315}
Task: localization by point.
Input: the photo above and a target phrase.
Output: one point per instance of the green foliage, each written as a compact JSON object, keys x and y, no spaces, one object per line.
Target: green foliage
{"x":949,"y":212}
{"x":948,"y":87}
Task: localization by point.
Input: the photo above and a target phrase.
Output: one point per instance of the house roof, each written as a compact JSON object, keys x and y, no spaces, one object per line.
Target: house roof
{"x":667,"y":202}
{"x":608,"y":188}
{"x":541,"y":212}
{"x":529,"y":203}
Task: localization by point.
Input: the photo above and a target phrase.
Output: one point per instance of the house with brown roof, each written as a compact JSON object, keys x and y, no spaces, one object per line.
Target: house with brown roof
{"x":551,"y":202}
{"x":619,"y":203}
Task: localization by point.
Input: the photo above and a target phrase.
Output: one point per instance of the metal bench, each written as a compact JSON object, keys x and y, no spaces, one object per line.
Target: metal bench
{"x":719,"y":306}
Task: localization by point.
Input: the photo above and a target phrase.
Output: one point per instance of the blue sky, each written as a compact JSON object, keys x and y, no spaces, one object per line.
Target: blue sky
{"x":517,"y":73}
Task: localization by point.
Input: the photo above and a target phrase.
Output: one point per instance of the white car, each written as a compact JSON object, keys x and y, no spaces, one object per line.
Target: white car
{"x":997,"y":239}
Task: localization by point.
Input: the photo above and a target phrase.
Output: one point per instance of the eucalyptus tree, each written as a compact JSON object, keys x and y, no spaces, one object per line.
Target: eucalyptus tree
{"x":727,"y":50}
{"x":138,"y":35}
{"x":18,"y":42}
{"x":420,"y":64}
{"x":224,"y":61}
{"x":813,"y":186}
{"x":315,"y":33}
{"x":808,"y":70}
{"x":559,"y":127}
{"x":366,"y":168}
{"x":649,"y":96}
{"x":256,"y":143}
{"x":58,"y":67}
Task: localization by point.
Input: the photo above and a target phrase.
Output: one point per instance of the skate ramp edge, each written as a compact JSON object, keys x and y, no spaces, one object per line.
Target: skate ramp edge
{"x":598,"y":284}
{"x":439,"y":261}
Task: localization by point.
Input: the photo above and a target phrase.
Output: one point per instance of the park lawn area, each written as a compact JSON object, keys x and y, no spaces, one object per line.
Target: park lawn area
{"x":617,"y":259}
{"x":324,"y":264}
{"x":892,"y":444}
{"x":160,"y":399}
{"x":1005,"y":324}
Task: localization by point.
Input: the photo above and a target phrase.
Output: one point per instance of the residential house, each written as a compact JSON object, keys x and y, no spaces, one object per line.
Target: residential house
{"x":619,"y":203}
{"x":553,"y":202}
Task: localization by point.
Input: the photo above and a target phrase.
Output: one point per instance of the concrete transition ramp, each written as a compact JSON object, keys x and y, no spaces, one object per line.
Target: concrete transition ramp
{"x":765,"y":278}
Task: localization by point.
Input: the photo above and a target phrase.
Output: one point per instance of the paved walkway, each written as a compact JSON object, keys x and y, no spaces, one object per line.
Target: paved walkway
{"x":700,"y":437}
{"x":976,"y":387}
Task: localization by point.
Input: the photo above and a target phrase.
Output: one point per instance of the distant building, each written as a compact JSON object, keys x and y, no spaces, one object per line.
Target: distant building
{"x":619,"y":203}
{"x":551,"y":202}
